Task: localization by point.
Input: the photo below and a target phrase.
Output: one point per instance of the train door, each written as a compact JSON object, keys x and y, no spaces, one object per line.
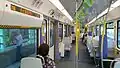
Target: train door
{"x":51,"y":39}
{"x":54,"y":51}
{"x":56,"y":40}
{"x":43,"y":33}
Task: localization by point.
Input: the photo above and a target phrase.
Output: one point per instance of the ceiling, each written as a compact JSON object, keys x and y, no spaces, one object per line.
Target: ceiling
{"x":98,"y":7}
{"x":70,"y":6}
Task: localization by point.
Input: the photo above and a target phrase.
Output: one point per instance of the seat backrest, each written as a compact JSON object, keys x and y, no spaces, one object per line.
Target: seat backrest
{"x":117,"y":64}
{"x":31,"y":62}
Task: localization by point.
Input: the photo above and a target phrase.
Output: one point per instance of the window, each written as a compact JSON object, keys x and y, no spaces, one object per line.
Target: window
{"x":118,"y":34}
{"x":44,"y":31}
{"x":65,"y":30}
{"x":11,"y":45}
{"x":94,"y":30}
{"x":97,"y":30}
{"x":51,"y":35}
{"x":60,"y":30}
{"x":101,"y":29}
{"x":90,"y":30}
{"x":7,"y":36}
{"x":110,"y":34}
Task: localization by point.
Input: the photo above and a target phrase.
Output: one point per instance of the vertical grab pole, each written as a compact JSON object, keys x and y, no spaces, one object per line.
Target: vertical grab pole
{"x":77,"y":38}
{"x":103,"y":34}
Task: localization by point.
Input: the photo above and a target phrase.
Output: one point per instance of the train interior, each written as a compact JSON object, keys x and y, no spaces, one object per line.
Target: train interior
{"x":90,"y":29}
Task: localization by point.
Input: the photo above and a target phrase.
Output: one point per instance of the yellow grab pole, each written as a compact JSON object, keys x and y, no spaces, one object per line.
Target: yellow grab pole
{"x":77,"y":36}
{"x":103,"y":34}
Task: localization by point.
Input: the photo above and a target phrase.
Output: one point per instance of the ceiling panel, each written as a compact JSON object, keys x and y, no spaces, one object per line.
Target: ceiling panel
{"x":70,"y":6}
{"x":98,"y":7}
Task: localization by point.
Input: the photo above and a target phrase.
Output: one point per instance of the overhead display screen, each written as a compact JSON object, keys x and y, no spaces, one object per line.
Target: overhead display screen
{"x":24,"y":11}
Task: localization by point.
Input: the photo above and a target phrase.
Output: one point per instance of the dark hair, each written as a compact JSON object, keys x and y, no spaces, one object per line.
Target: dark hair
{"x":43,"y":49}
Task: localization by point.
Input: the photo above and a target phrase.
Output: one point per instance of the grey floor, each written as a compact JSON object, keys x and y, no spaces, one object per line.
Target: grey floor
{"x":84,"y":60}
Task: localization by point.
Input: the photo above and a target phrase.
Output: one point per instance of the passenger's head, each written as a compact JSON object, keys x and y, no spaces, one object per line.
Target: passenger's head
{"x":72,"y":32}
{"x":43,"y":49}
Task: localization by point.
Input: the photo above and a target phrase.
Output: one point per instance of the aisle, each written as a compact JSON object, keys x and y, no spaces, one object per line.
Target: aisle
{"x":67,"y":63}
{"x":84,"y":59}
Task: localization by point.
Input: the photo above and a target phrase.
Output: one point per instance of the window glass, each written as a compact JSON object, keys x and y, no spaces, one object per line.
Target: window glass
{"x":101,"y":29}
{"x":118,"y":38}
{"x":110,"y":25}
{"x":65,"y":31}
{"x":118,"y":35}
{"x":97,"y":30}
{"x":1,"y":32}
{"x":60,"y":30}
{"x":16,"y":43}
{"x":51,"y":35}
{"x":110,"y":37}
{"x":94,"y":30}
{"x":44,"y":31}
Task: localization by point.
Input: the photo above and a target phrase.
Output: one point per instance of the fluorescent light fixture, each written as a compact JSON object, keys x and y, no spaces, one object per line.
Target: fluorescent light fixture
{"x":58,"y":4}
{"x":103,"y":13}
{"x":113,"y":6}
{"x":92,"y":21}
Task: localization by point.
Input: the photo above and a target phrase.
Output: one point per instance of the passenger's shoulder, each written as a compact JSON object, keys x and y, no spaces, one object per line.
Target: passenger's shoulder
{"x":49,"y":58}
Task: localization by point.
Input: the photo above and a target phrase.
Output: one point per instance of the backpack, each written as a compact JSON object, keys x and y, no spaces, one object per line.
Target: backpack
{"x":47,"y":62}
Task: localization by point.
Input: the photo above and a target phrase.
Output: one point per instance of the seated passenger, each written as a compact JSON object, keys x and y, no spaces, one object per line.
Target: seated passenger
{"x":43,"y":51}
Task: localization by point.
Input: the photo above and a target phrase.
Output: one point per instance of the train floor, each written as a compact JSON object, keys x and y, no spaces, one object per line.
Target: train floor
{"x":84,"y":60}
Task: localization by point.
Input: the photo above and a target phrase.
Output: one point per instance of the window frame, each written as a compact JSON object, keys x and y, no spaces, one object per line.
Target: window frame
{"x":117,"y":33}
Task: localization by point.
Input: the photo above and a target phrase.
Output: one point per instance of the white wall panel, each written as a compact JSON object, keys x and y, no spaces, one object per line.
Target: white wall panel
{"x":16,"y":18}
{"x":2,"y":6}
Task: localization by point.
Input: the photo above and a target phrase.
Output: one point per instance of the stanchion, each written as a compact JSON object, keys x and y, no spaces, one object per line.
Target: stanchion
{"x":77,"y":43}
